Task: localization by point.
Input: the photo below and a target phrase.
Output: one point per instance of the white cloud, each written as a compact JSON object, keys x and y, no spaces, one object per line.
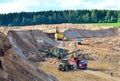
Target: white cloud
{"x":103,"y":4}
{"x":37,"y":5}
{"x":69,"y":4}
{"x":18,"y":5}
{"x":109,"y":4}
{"x":89,"y":4}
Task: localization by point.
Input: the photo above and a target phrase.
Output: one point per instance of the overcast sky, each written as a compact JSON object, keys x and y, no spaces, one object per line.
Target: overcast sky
{"x":10,"y":6}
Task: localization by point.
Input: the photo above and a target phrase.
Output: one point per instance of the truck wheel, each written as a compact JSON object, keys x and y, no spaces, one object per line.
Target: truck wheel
{"x":60,"y":69}
{"x":71,"y":67}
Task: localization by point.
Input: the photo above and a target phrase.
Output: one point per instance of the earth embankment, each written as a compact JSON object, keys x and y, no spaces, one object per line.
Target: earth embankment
{"x":27,"y":43}
{"x":82,"y":33}
{"x":14,"y":68}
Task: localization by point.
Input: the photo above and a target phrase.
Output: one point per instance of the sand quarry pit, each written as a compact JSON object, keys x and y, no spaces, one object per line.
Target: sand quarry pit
{"x":100,"y":47}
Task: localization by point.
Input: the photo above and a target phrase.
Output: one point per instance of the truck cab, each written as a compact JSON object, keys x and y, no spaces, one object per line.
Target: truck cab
{"x":79,"y":41}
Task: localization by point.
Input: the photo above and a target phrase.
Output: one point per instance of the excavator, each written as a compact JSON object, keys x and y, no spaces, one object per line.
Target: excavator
{"x":53,"y":52}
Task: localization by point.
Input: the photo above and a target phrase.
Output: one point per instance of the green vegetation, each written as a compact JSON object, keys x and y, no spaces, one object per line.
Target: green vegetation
{"x":116,"y":25}
{"x":57,"y":17}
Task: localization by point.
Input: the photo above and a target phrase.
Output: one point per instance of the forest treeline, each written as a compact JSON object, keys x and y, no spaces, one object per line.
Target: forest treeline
{"x":57,"y":17}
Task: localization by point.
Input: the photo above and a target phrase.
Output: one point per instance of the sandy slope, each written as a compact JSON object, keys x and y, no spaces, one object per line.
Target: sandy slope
{"x":15,"y":68}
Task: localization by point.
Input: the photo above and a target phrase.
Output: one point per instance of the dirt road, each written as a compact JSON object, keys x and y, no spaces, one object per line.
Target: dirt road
{"x":102,"y":75}
{"x":76,"y":75}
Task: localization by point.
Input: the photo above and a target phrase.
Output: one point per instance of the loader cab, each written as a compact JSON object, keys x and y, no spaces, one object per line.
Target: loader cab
{"x":65,"y":61}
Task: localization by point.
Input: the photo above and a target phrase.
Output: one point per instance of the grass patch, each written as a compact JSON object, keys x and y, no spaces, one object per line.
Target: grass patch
{"x":114,"y":25}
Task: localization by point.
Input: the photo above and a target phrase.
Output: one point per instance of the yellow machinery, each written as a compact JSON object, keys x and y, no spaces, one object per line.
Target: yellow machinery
{"x":59,"y":36}
{"x":65,"y":65}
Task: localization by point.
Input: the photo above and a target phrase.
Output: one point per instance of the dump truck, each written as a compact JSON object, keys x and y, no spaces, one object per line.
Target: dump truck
{"x":79,"y":63}
{"x":79,"y":41}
